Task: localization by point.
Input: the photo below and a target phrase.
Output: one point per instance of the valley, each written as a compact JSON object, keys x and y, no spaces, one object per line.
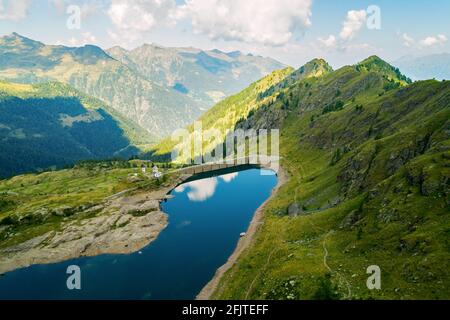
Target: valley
{"x":364,"y":177}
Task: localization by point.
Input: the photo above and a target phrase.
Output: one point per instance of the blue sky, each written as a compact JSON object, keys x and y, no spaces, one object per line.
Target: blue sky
{"x":292,"y":31}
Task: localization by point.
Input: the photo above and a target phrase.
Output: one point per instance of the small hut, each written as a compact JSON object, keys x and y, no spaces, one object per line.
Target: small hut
{"x":156,"y":173}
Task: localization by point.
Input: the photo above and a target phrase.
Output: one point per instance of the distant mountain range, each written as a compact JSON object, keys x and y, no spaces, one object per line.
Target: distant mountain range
{"x":435,"y":66}
{"x":161,"y":89}
{"x":206,"y":76}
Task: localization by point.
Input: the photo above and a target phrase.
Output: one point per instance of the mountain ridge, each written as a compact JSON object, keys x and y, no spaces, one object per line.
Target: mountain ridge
{"x":135,"y":90}
{"x":282,"y":81}
{"x":207,"y":75}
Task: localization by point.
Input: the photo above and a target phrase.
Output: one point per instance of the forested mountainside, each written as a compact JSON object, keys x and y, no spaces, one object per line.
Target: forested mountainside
{"x":367,"y":155}
{"x":54,"y":125}
{"x":159,"y":91}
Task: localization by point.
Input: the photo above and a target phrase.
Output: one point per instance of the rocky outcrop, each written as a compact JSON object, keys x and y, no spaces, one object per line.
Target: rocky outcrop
{"x":293,"y":210}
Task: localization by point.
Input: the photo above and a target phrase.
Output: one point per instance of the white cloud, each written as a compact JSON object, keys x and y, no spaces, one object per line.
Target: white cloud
{"x":201,"y":190}
{"x":229,"y":177}
{"x":427,"y":42}
{"x":14,"y":9}
{"x":329,"y":42}
{"x":407,"y":40}
{"x":180,"y":188}
{"x":352,"y":24}
{"x":270,"y":23}
{"x":337,"y":45}
{"x":91,"y":8}
{"x":359,"y":47}
{"x":433,"y":40}
{"x":60,"y":5}
{"x":134,"y":18}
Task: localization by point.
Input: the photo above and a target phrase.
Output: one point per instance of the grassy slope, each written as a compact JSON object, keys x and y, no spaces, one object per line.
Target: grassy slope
{"x":382,"y":199}
{"x":33,"y":204}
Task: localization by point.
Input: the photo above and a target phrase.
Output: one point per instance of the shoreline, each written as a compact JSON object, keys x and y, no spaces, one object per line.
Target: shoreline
{"x":98,"y":235}
{"x":244,"y":242}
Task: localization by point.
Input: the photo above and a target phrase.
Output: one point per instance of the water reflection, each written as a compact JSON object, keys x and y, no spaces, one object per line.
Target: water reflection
{"x":229,"y":177}
{"x":202,"y":190}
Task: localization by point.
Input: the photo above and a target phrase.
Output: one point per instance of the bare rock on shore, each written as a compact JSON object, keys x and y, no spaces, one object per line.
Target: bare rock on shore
{"x":116,"y":232}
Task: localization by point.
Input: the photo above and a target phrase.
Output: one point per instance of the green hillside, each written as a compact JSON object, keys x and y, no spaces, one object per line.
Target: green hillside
{"x":227,"y":113}
{"x":367,"y":153}
{"x":52,"y":124}
{"x":369,"y":171}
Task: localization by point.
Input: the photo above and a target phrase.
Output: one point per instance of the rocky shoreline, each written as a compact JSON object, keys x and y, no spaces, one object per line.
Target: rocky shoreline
{"x":123,"y":224}
{"x":245,"y":242}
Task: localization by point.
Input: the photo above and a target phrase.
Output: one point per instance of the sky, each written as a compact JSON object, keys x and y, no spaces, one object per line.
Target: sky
{"x":291,"y":31}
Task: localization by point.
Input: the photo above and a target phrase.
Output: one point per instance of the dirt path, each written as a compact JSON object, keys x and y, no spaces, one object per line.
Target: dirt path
{"x":244,"y":242}
{"x":342,"y":278}
{"x":262,"y":270}
{"x":325,"y":254}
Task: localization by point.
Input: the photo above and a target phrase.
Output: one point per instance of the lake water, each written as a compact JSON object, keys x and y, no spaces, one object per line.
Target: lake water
{"x":206,"y":217}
